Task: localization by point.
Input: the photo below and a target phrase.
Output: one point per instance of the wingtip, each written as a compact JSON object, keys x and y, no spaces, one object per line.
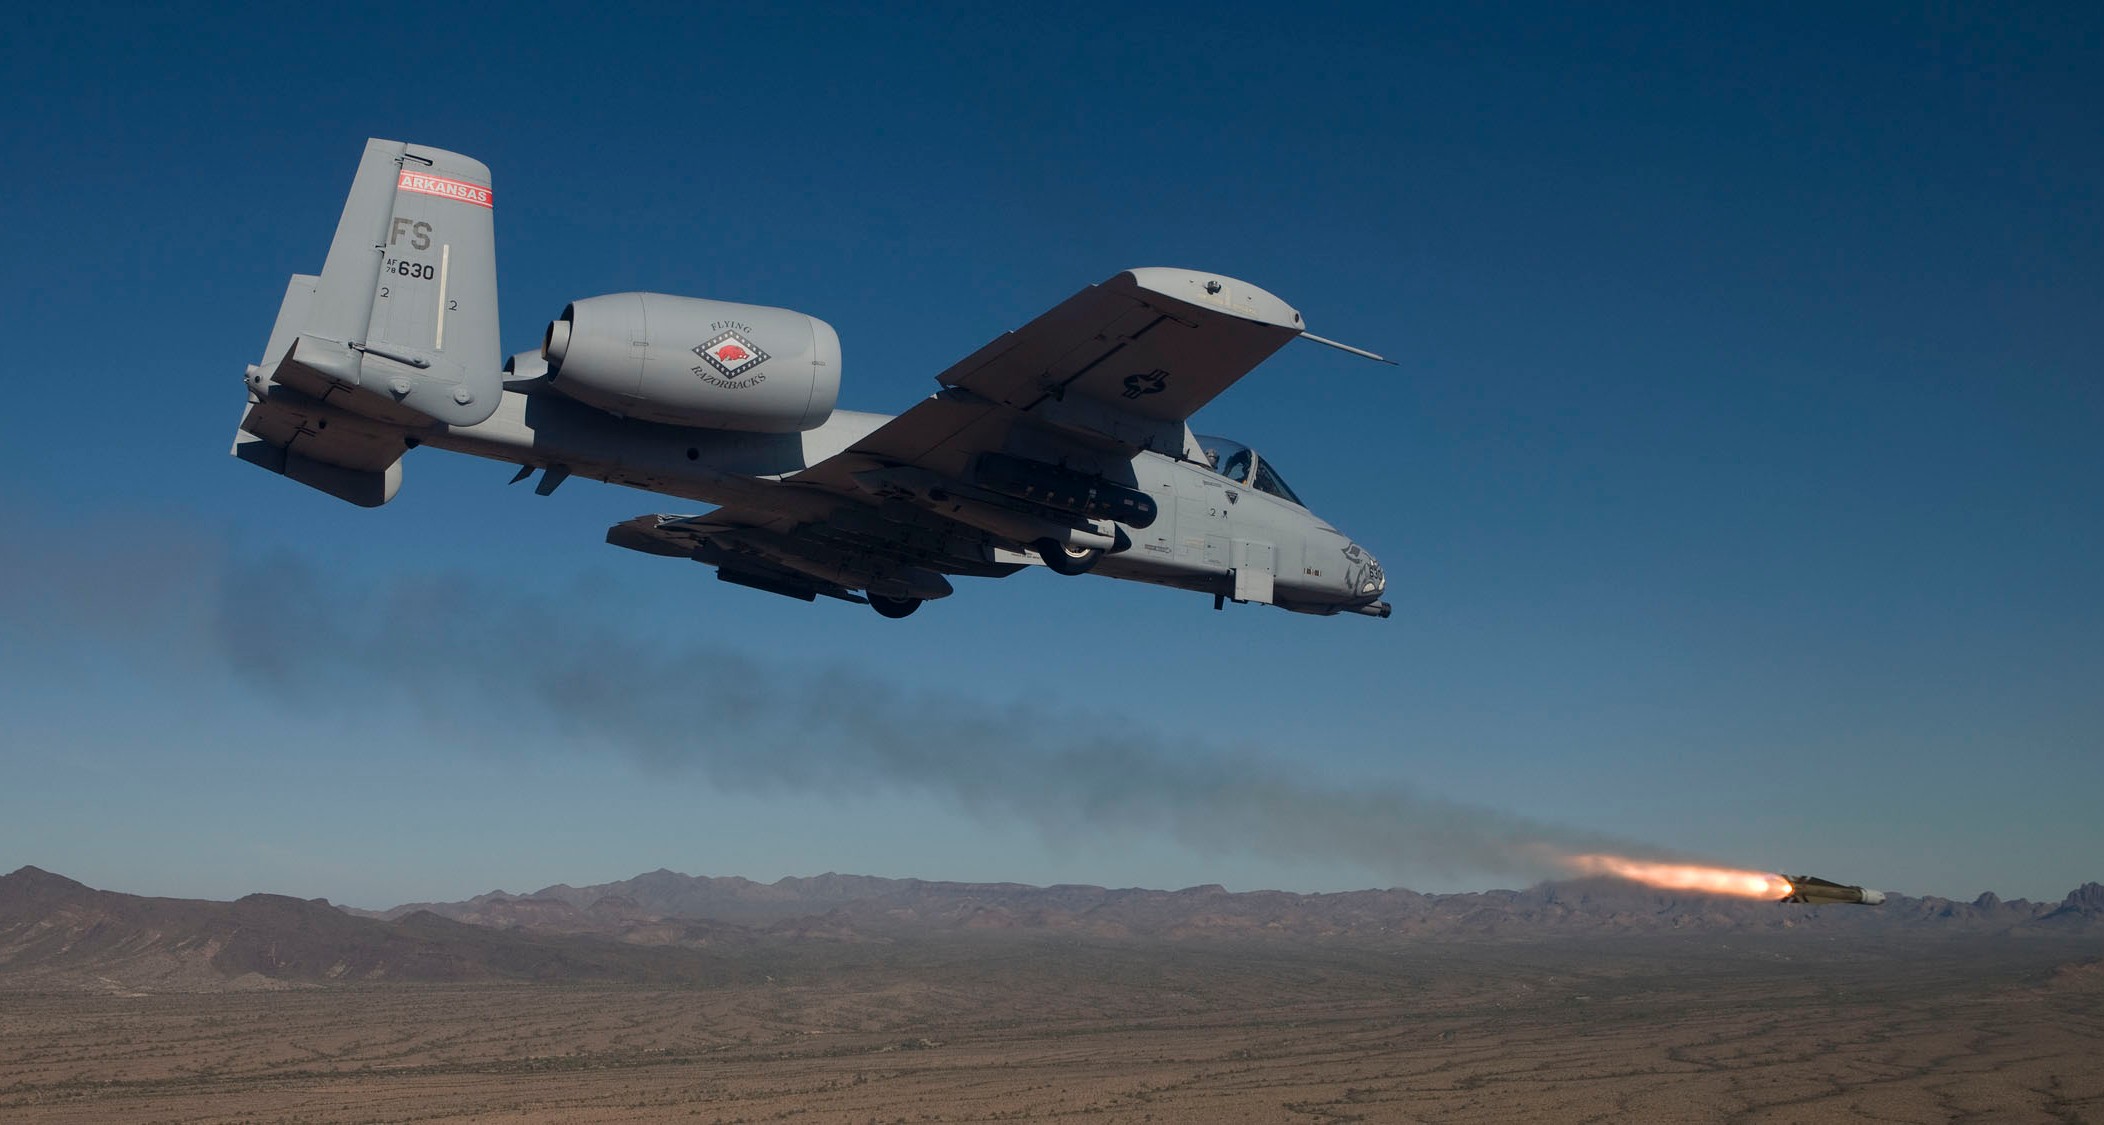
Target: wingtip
{"x":1216,"y":292}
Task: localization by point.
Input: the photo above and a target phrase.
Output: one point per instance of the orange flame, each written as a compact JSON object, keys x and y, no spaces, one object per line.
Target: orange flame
{"x":1681,"y":876}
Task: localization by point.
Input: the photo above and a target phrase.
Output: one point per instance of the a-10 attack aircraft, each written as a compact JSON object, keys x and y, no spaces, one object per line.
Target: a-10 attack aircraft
{"x":1063,"y":443}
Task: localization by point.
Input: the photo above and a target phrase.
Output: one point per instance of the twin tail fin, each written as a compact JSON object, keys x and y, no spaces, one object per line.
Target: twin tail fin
{"x":400,"y":328}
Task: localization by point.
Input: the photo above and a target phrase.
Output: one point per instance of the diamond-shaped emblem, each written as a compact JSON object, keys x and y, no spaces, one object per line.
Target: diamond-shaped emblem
{"x":731,"y":354}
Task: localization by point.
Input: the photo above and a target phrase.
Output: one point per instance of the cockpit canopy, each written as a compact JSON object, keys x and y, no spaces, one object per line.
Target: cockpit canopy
{"x":1239,"y":463}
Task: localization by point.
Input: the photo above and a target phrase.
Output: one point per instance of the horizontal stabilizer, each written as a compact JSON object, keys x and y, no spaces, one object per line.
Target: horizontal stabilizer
{"x":367,"y":488}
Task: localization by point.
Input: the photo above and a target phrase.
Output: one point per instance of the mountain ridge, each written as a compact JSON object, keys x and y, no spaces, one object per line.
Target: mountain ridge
{"x":872,"y":900}
{"x":57,"y":929}
{"x":658,"y":927}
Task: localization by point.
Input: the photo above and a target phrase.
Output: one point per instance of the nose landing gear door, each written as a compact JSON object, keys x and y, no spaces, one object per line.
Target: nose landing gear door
{"x":1256,"y":564}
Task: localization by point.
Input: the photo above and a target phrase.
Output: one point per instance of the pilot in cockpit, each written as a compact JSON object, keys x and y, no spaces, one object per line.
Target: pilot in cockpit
{"x":1240,"y":464}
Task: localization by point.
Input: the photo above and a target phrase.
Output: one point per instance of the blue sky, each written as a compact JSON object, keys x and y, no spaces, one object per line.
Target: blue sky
{"x":1739,"y":488}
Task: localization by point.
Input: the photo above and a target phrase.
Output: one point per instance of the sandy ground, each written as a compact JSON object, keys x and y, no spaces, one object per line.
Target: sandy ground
{"x":999,"y":1030}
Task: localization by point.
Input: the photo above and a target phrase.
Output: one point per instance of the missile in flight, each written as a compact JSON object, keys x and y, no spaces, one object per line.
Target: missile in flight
{"x":1812,"y":889}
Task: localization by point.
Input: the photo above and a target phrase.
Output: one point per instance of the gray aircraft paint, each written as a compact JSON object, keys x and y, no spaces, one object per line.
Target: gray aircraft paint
{"x":394,"y":346}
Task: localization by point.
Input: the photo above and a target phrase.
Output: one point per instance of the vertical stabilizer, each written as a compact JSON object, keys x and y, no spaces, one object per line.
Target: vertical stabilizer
{"x":402,"y":323}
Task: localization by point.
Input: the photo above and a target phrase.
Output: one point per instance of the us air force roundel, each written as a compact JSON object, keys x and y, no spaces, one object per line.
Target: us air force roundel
{"x":1150,"y":383}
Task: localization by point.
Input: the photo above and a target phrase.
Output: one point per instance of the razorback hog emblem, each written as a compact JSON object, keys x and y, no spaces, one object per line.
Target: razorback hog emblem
{"x":731,"y":354}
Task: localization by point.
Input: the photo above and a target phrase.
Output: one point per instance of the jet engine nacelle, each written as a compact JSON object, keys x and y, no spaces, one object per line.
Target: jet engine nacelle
{"x":693,"y":362}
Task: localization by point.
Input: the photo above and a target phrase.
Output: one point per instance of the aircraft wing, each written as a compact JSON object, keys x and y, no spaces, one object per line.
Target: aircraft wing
{"x":1154,"y":343}
{"x":1123,"y":363}
{"x":1076,"y":393}
{"x":1117,"y":368}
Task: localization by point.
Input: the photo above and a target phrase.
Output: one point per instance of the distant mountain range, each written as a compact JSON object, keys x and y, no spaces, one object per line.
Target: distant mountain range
{"x":57,"y":932}
{"x":647,"y":908}
{"x":665,"y":927}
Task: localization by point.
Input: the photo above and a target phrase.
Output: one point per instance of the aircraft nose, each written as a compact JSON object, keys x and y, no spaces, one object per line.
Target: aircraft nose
{"x":1374,"y":579}
{"x":1370,"y":584}
{"x":1370,"y":581}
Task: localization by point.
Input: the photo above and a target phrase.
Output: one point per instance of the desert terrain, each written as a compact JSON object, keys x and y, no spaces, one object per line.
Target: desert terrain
{"x":1708,"y":1023}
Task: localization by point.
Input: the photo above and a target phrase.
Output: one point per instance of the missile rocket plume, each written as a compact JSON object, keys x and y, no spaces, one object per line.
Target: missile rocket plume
{"x":578,"y":679}
{"x":1682,"y":876}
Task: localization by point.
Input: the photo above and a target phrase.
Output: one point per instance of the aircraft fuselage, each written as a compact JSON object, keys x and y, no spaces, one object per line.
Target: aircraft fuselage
{"x":1205,"y":534}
